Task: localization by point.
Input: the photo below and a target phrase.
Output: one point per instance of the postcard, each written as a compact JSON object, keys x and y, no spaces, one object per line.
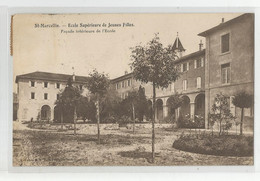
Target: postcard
{"x":167,"y":89}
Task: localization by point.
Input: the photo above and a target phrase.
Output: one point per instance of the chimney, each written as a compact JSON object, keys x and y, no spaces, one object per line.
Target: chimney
{"x":200,"y":45}
{"x":73,"y":76}
{"x":223,"y":20}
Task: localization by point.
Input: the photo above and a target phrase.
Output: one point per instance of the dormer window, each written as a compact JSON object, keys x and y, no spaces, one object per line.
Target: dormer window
{"x":45,"y":84}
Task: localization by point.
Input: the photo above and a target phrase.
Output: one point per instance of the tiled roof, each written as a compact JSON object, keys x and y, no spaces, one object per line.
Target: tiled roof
{"x":221,"y":25}
{"x":50,"y":77}
{"x":194,"y":54}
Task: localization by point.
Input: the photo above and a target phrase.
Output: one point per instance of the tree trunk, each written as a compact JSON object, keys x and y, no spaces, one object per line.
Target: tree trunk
{"x":98,"y":121}
{"x":61,"y":119}
{"x":75,"y":117}
{"x":133,"y":107}
{"x":153,"y":121}
{"x":241,"y":123}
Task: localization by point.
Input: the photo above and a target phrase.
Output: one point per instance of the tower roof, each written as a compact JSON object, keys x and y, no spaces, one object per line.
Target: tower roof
{"x":178,"y":45}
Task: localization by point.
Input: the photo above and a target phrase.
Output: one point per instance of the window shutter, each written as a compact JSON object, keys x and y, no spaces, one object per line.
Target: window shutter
{"x":181,"y":67}
{"x":195,"y":64}
{"x":188,"y":66}
{"x":202,"y":62}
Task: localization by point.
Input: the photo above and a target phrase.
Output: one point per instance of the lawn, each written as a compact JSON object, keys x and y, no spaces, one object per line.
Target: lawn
{"x":37,"y":147}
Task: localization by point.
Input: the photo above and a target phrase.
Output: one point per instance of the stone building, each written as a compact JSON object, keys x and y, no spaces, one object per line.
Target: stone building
{"x":38,"y":91}
{"x":229,"y":63}
{"x":190,"y":85}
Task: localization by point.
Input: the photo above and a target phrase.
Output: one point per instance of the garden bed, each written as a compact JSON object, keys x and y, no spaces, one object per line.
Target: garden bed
{"x":224,"y":145}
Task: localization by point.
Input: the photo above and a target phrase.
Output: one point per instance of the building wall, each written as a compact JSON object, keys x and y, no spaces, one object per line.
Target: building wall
{"x":177,"y":87}
{"x":240,"y":57}
{"x":31,"y":108}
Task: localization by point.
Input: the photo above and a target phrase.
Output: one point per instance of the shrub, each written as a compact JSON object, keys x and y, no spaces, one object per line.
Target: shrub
{"x":223,"y":145}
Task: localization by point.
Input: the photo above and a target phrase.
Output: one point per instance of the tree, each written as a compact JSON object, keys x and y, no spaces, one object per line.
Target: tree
{"x":68,"y":100}
{"x":98,"y":84}
{"x":242,"y":100}
{"x":221,"y":112}
{"x":175,"y":101}
{"x":86,"y":109}
{"x":155,"y":64}
{"x":142,"y":108}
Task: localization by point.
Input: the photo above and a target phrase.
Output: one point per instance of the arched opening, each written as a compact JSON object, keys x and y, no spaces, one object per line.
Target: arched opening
{"x":57,"y":114}
{"x":46,"y":113}
{"x":159,"y":109}
{"x":171,"y":110}
{"x":200,"y":105}
{"x":185,"y":107}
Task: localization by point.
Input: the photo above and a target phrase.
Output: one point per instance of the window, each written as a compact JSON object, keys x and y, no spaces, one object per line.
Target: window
{"x":45,"y":84}
{"x":184,"y":84}
{"x":198,"y":63}
{"x":32,"y":95}
{"x":225,"y":73}
{"x":57,"y":85}
{"x":117,"y":86}
{"x":225,"y":43}
{"x":198,"y":82}
{"x":80,"y":87}
{"x":45,"y":96}
{"x":58,"y":96}
{"x":123,"y":84}
{"x":185,"y":67}
{"x":129,"y":82}
{"x":32,"y":83}
{"x":172,"y":87}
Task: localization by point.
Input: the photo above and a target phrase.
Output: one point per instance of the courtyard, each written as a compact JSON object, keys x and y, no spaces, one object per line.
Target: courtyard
{"x":50,"y":146}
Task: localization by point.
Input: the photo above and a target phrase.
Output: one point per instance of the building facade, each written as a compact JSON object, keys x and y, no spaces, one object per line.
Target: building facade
{"x":225,"y":66}
{"x":38,"y":91}
{"x":190,"y":85}
{"x":229,"y":63}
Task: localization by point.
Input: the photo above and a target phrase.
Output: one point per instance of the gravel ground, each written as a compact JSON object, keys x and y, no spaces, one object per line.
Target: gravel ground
{"x":49,"y":147}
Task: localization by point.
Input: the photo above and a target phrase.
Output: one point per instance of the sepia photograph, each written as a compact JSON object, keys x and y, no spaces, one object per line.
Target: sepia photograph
{"x":148,"y":89}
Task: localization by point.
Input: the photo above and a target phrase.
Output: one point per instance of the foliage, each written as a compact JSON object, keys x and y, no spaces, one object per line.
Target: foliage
{"x":221,"y":113}
{"x":138,"y":99}
{"x":86,"y":109}
{"x":242,"y":100}
{"x":224,"y":145}
{"x":68,"y":100}
{"x":154,"y":63}
{"x":175,"y":101}
{"x":98,"y":83}
{"x":187,"y":122}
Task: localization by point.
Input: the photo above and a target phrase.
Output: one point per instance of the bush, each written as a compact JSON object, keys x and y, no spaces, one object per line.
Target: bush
{"x":187,"y":122}
{"x":223,"y":145}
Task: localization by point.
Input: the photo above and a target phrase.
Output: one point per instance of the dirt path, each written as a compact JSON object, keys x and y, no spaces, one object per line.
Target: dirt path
{"x":53,"y":148}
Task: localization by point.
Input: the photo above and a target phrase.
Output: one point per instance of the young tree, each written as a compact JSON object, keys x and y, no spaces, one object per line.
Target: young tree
{"x":175,"y":101}
{"x":68,"y":100}
{"x":155,"y":64}
{"x":221,"y":112}
{"x":242,"y":100}
{"x":98,"y":84}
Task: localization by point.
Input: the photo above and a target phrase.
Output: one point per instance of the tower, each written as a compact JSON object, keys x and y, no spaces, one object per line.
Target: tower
{"x":177,"y":47}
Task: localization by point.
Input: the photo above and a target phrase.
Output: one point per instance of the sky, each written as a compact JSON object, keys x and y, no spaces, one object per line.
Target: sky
{"x":54,"y":49}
